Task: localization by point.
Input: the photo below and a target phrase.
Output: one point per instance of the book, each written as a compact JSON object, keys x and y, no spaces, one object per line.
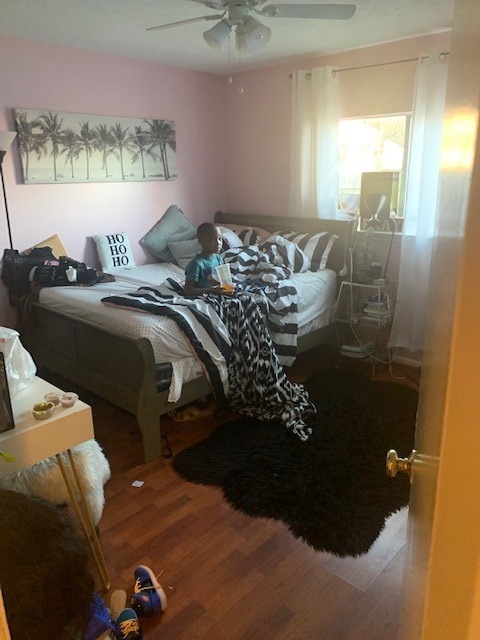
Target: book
{"x":382,"y":300}
{"x":373,"y":321}
{"x":377,"y":311}
{"x":358,"y":350}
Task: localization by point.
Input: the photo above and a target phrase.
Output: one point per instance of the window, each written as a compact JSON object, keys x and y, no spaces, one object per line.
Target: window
{"x":370,"y":144}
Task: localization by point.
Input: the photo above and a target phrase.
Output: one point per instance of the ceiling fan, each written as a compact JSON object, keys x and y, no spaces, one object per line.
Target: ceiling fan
{"x":250,"y":34}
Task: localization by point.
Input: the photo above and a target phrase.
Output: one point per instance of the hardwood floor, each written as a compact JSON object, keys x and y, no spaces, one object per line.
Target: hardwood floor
{"x":228,"y":576}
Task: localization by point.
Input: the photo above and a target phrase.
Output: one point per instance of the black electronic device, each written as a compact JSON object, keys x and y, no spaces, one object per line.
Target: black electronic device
{"x":379,"y":182}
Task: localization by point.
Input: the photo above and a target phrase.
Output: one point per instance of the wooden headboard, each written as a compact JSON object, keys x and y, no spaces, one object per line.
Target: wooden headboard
{"x":344,"y":229}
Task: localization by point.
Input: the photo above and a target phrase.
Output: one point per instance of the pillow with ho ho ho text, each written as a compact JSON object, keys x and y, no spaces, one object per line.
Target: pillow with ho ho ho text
{"x":114,"y":251}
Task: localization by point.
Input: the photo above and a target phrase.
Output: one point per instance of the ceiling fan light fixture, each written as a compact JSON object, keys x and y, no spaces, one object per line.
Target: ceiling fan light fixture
{"x":218,"y":35}
{"x":252,"y":36}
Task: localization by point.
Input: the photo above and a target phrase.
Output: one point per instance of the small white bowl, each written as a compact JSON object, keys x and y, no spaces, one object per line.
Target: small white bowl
{"x":68,"y":399}
{"x":53,"y":396}
{"x":43,"y":410}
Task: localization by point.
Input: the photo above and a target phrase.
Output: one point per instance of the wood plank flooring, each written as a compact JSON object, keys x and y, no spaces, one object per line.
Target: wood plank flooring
{"x":228,"y":576}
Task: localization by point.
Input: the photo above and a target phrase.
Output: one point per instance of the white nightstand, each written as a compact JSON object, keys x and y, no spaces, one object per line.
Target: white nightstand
{"x":32,"y":441}
{"x":363,"y":318}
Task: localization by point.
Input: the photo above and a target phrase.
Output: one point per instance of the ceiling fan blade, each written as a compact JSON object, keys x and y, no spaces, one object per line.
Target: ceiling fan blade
{"x":322,"y":11}
{"x":189,"y":21}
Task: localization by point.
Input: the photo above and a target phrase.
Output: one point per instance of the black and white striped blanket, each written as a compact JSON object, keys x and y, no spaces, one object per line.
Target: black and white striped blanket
{"x":230,"y":337}
{"x":264,"y":271}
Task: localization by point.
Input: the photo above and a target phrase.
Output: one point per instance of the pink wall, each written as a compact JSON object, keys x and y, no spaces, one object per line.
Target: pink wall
{"x":34,"y":76}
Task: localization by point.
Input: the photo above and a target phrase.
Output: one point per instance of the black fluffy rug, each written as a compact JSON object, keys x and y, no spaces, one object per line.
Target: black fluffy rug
{"x":331,"y":490}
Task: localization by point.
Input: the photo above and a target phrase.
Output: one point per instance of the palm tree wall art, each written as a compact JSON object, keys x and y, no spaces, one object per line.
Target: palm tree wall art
{"x":67,"y":147}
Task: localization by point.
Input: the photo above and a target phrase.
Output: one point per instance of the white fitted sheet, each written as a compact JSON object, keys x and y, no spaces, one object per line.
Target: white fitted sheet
{"x":316,"y":295}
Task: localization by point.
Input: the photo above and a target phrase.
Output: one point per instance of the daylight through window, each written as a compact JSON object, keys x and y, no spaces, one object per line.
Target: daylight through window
{"x":371,"y":144}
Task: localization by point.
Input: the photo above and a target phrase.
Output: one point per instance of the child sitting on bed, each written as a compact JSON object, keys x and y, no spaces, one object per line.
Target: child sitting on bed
{"x":198,"y":272}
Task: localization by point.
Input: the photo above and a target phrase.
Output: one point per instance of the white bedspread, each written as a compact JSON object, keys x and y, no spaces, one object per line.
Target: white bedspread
{"x":316,"y":297}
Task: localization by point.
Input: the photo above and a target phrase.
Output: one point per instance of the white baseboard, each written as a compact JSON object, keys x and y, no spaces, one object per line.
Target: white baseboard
{"x":409,"y":361}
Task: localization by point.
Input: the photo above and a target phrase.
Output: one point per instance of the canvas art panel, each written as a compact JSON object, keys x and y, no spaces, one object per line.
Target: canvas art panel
{"x":57,"y":147}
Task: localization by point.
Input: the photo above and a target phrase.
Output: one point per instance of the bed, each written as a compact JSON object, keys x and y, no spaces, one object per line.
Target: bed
{"x":145,"y":366}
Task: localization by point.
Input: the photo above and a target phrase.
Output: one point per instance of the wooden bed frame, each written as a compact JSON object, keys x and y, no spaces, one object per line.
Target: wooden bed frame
{"x":121,"y":369}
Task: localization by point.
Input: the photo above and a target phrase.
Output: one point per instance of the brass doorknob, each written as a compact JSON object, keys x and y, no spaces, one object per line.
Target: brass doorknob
{"x":396,"y":464}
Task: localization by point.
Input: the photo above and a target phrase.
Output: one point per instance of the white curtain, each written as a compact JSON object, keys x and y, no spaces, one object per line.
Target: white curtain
{"x":314,"y":147}
{"x":408,"y":329}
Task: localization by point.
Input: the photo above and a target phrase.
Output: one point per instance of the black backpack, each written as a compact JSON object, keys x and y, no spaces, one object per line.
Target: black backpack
{"x":17,"y":268}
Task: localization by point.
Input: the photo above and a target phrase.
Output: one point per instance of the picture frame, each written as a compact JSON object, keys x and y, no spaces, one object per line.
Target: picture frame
{"x":57,"y":147}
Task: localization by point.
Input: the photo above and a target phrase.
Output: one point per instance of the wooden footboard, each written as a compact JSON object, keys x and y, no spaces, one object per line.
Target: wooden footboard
{"x":115,"y":367}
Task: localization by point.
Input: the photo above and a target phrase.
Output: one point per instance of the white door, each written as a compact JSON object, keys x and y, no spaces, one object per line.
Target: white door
{"x":442,"y":573}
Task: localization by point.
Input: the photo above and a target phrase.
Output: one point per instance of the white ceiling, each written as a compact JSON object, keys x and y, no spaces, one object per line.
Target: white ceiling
{"x":118,"y":27}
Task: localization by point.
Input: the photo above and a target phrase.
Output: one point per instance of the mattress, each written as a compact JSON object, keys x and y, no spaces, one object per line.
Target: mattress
{"x":316,"y":298}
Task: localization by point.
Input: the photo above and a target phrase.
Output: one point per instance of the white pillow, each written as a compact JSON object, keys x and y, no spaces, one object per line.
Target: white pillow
{"x":114,"y":251}
{"x":184,"y":250}
{"x":231,"y":238}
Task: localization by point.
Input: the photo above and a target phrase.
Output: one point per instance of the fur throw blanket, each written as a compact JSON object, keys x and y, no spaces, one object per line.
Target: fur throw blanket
{"x":45,"y":480}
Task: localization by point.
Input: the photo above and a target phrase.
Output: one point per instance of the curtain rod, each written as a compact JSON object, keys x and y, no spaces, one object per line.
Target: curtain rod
{"x":442,"y":55}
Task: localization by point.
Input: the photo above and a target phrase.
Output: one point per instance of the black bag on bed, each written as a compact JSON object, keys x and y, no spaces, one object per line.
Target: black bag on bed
{"x":17,"y":268}
{"x":67,"y":272}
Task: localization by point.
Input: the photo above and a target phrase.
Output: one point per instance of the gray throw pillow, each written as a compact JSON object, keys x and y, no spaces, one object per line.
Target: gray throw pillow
{"x":173,"y":226}
{"x":184,"y":251}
